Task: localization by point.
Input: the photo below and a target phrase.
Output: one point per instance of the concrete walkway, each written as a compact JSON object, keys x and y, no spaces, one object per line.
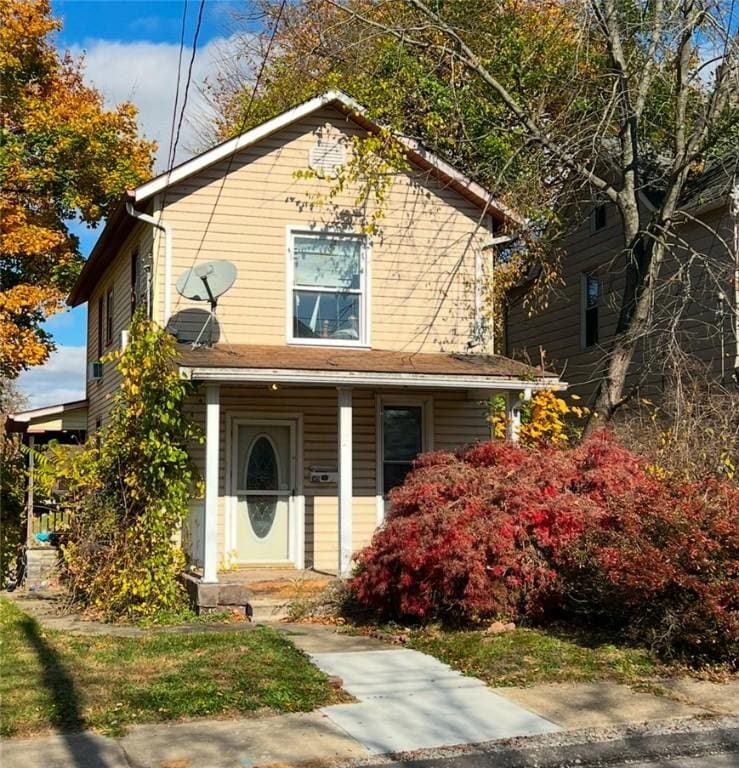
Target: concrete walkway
{"x":407,"y":700}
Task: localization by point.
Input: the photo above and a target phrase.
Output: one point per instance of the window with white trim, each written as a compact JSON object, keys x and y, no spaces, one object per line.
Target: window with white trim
{"x":329,"y":297}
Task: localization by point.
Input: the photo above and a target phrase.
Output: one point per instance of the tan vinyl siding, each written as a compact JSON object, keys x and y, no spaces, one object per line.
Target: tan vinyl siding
{"x":117,"y":276}
{"x":421,"y":260}
{"x":458,"y":419}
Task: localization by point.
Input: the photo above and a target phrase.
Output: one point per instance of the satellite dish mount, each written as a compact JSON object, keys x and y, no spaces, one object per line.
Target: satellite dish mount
{"x":206,"y":282}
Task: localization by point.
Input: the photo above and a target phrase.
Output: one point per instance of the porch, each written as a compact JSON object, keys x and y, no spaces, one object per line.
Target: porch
{"x":263,"y":594}
{"x":298,"y":458}
{"x":46,"y":521}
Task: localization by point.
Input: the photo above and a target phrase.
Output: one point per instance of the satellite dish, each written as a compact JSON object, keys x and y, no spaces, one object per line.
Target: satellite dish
{"x":206,"y":282}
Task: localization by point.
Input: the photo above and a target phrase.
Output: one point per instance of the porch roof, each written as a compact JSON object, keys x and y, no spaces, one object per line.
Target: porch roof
{"x":330,"y":366}
{"x":59,"y":417}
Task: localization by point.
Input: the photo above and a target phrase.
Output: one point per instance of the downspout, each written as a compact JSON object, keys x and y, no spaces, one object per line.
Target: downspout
{"x":491,"y":246}
{"x":735,"y":214}
{"x":160,"y":225}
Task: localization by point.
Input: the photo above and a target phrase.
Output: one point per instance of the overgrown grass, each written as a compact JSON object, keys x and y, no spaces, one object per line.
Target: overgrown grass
{"x":54,"y":680}
{"x":528,"y":656}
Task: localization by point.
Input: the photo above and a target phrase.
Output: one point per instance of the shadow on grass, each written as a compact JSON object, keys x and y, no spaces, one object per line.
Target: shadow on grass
{"x":83,"y":748}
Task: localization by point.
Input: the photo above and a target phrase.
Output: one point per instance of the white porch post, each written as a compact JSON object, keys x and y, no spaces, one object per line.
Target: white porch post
{"x":29,"y":498}
{"x":345,"y":480}
{"x":513,"y":420}
{"x":212,"y":439}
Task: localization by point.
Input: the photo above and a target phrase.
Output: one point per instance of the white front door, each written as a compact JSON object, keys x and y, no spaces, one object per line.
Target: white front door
{"x":264,"y":482}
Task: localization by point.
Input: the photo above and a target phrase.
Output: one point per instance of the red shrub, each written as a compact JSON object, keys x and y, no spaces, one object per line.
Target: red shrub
{"x":498,"y":529}
{"x":666,"y":569}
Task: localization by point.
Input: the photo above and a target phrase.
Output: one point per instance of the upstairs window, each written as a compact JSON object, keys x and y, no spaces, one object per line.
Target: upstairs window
{"x":109,"y":316}
{"x":101,"y":329}
{"x":329,"y":294}
{"x":134,"y":280}
{"x":598,"y":217}
{"x":589,"y":300}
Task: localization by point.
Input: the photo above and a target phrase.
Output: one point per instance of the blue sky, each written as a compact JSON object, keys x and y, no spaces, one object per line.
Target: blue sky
{"x":131,"y":50}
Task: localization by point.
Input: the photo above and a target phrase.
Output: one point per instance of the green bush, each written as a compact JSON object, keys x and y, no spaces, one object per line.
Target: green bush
{"x":130,"y":487}
{"x":12,"y":506}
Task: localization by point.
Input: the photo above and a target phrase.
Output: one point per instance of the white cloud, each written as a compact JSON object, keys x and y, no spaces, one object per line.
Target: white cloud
{"x":146,"y":74}
{"x":60,"y":380}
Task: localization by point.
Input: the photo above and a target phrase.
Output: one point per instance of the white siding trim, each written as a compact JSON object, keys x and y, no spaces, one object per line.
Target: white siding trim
{"x":364,"y":379}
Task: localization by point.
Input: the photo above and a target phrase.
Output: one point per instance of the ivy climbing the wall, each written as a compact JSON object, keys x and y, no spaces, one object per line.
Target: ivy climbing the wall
{"x":130,"y":487}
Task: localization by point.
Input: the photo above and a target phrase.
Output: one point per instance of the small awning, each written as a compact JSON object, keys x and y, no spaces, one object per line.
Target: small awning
{"x":330,"y":366}
{"x":61,"y":417}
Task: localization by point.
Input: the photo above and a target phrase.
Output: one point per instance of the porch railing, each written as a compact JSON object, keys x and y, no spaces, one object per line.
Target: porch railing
{"x":48,"y":523}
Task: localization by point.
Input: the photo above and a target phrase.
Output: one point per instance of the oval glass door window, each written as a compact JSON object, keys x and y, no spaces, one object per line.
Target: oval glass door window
{"x":262,"y":474}
{"x":262,"y":511}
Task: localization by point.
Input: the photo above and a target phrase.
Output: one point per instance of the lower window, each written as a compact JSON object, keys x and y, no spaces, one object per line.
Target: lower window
{"x":402,"y":441}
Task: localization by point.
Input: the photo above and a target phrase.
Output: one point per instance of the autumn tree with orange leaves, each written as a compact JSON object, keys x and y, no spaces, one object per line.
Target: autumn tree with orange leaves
{"x":62,"y":156}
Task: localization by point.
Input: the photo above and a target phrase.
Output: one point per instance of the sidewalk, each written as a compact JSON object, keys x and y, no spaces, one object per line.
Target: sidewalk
{"x":406,"y":701}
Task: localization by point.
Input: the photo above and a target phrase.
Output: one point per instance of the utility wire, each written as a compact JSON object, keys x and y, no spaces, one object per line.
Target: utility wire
{"x":175,"y":137}
{"x":170,"y":156}
{"x":189,"y":79}
{"x":242,"y":125}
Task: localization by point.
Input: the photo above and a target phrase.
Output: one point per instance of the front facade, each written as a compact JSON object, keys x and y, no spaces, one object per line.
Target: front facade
{"x":350,"y":339}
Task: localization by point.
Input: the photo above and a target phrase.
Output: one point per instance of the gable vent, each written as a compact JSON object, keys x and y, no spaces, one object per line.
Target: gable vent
{"x":326,"y":156}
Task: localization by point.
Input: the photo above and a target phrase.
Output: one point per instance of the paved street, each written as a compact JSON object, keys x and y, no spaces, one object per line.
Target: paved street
{"x":723,"y":760}
{"x":720,"y":760}
{"x":678,"y":744}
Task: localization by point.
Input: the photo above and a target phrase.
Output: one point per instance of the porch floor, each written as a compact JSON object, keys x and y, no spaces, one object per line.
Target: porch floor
{"x":278,"y":583}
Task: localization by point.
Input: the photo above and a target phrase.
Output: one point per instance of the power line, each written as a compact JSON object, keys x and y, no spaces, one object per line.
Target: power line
{"x":240,"y":130}
{"x":189,"y":79}
{"x":170,"y":156}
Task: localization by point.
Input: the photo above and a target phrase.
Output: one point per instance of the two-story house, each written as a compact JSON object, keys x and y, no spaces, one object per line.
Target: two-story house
{"x":335,"y":356}
{"x":695,"y":317}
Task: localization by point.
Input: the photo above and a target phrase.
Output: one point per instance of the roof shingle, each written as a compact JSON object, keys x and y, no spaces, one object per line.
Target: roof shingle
{"x":304,"y":358}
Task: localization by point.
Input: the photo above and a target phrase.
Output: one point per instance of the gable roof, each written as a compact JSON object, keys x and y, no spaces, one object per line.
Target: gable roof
{"x":120,"y":224}
{"x":417,"y":154}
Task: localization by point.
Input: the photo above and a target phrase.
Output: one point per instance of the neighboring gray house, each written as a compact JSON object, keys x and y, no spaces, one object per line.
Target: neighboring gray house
{"x":695,"y":318}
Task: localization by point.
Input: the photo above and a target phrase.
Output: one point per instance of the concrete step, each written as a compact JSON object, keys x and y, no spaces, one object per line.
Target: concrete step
{"x":42,"y":564}
{"x":266,"y":610}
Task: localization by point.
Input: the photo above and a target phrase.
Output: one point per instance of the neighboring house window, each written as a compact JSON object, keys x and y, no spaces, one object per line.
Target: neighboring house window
{"x":589,"y":300}
{"x":134,"y":280}
{"x":100,"y":327}
{"x":598,"y":217}
{"x":329,"y":296}
{"x":402,"y":441}
{"x":109,"y":316}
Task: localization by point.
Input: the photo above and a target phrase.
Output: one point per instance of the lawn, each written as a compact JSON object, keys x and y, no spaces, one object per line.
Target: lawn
{"x":527,"y":656}
{"x":54,"y":680}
